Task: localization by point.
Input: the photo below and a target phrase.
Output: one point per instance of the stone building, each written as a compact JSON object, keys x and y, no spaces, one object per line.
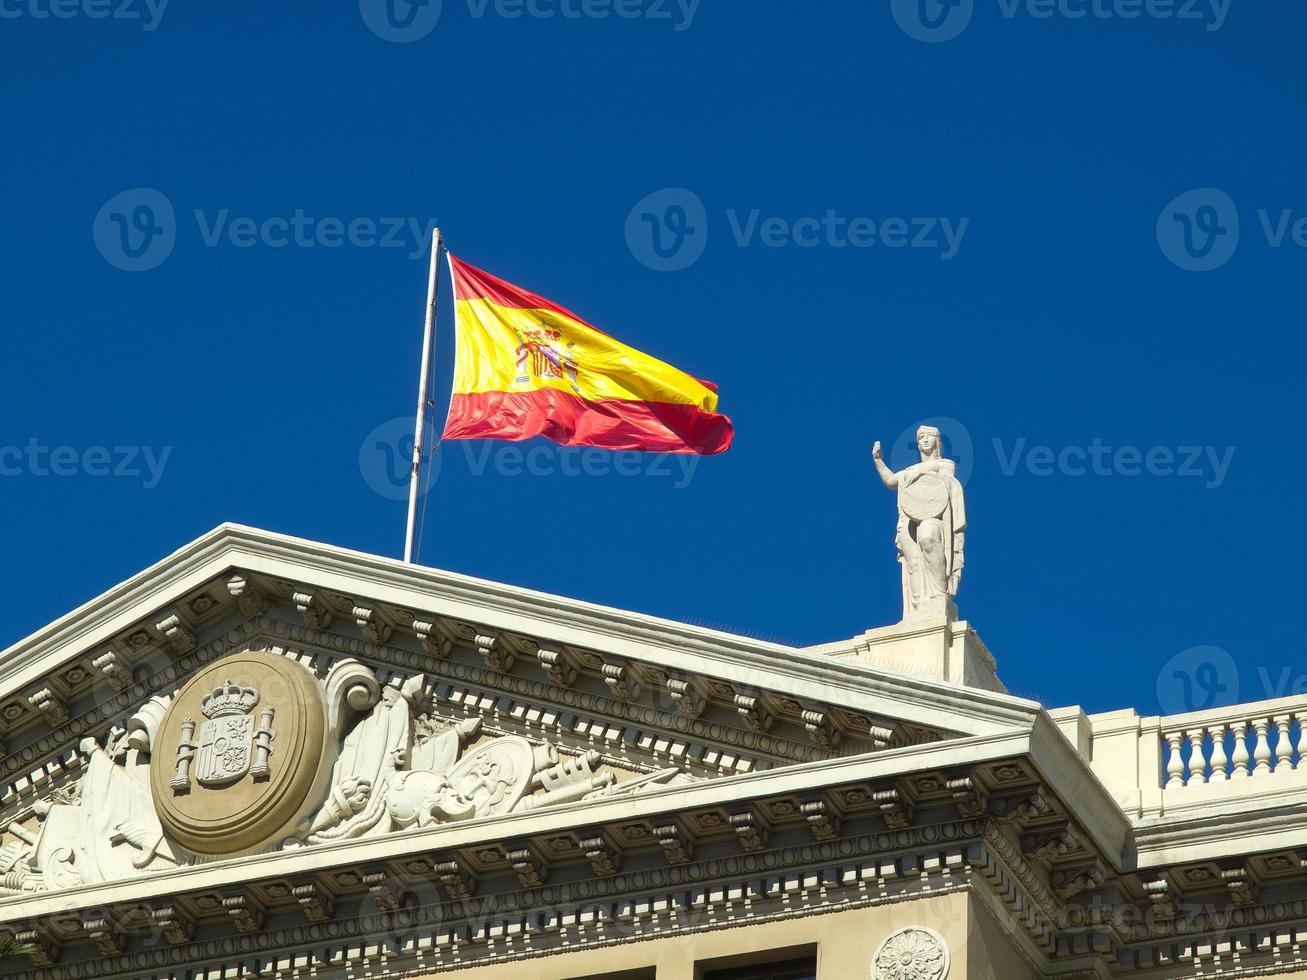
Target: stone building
{"x":266,"y":757}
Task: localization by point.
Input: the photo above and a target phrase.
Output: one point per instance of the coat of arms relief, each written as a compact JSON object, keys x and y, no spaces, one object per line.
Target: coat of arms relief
{"x":257,"y":753}
{"x":228,"y":743}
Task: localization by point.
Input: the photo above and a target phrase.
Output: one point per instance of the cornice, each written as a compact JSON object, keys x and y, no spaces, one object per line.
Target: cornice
{"x":798,"y":780}
{"x":673,"y":646}
{"x":1275,"y":822}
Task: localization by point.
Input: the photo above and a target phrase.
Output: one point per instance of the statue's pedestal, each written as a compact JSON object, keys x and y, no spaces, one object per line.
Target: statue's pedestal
{"x":941,"y":647}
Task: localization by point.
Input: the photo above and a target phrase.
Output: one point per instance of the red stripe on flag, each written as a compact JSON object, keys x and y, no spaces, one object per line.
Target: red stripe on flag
{"x":473,"y":283}
{"x":572,"y":421}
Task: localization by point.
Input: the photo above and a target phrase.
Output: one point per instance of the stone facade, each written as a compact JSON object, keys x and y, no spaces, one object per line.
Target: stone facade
{"x":266,"y":757}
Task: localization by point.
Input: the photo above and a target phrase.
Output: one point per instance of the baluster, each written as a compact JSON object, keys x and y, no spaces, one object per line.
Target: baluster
{"x":1240,"y":757}
{"x":1297,"y":743}
{"x":1262,"y":753}
{"x":1219,"y":758}
{"x":1197,"y":766}
{"x":1174,"y":764}
{"x":1283,"y":750}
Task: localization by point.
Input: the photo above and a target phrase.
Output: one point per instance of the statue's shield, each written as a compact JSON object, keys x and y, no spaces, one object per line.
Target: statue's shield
{"x":225,"y":748}
{"x":925,"y":497}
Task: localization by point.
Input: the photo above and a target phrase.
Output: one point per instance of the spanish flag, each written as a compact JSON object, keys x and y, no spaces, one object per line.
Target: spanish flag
{"x":527,"y":367}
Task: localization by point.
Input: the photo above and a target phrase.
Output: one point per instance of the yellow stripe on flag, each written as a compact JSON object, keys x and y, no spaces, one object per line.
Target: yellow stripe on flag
{"x":504,"y":348}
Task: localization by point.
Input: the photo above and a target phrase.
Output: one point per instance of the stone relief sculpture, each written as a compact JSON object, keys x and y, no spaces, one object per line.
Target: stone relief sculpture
{"x":229,"y":747}
{"x":931,"y":527}
{"x":916,"y":953}
{"x":398,"y":771}
{"x":382,"y":767}
{"x":104,"y":829}
{"x":373,"y":754}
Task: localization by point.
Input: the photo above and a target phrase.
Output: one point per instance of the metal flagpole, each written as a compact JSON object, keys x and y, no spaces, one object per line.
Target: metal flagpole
{"x":428,"y":345}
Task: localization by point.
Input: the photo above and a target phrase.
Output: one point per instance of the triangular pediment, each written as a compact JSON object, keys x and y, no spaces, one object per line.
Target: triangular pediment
{"x":135,"y":726}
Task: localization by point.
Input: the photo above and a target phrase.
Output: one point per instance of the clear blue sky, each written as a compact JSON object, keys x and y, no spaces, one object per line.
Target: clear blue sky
{"x":1058,"y":317}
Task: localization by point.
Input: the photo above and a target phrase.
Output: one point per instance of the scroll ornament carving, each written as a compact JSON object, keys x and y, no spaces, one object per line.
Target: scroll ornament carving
{"x":915,"y":953}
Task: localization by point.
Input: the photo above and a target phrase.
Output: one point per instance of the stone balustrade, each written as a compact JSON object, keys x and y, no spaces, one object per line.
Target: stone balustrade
{"x":1232,"y":743}
{"x":1159,"y":762}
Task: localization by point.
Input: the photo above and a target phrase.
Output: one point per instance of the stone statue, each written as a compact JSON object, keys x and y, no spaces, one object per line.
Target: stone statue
{"x":932,"y":526}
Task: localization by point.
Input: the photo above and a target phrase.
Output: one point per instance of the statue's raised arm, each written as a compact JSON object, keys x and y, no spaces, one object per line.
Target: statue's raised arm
{"x":931,"y":527}
{"x":887,"y":476}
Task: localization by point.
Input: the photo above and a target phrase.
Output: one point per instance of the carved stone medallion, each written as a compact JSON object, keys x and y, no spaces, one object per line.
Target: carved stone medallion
{"x":915,"y":953}
{"x":239,"y":754}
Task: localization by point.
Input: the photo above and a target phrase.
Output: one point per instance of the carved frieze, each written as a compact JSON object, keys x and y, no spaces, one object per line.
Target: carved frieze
{"x":257,"y":751}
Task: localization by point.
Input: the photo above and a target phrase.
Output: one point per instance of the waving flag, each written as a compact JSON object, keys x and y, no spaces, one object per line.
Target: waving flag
{"x":527,"y":367}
